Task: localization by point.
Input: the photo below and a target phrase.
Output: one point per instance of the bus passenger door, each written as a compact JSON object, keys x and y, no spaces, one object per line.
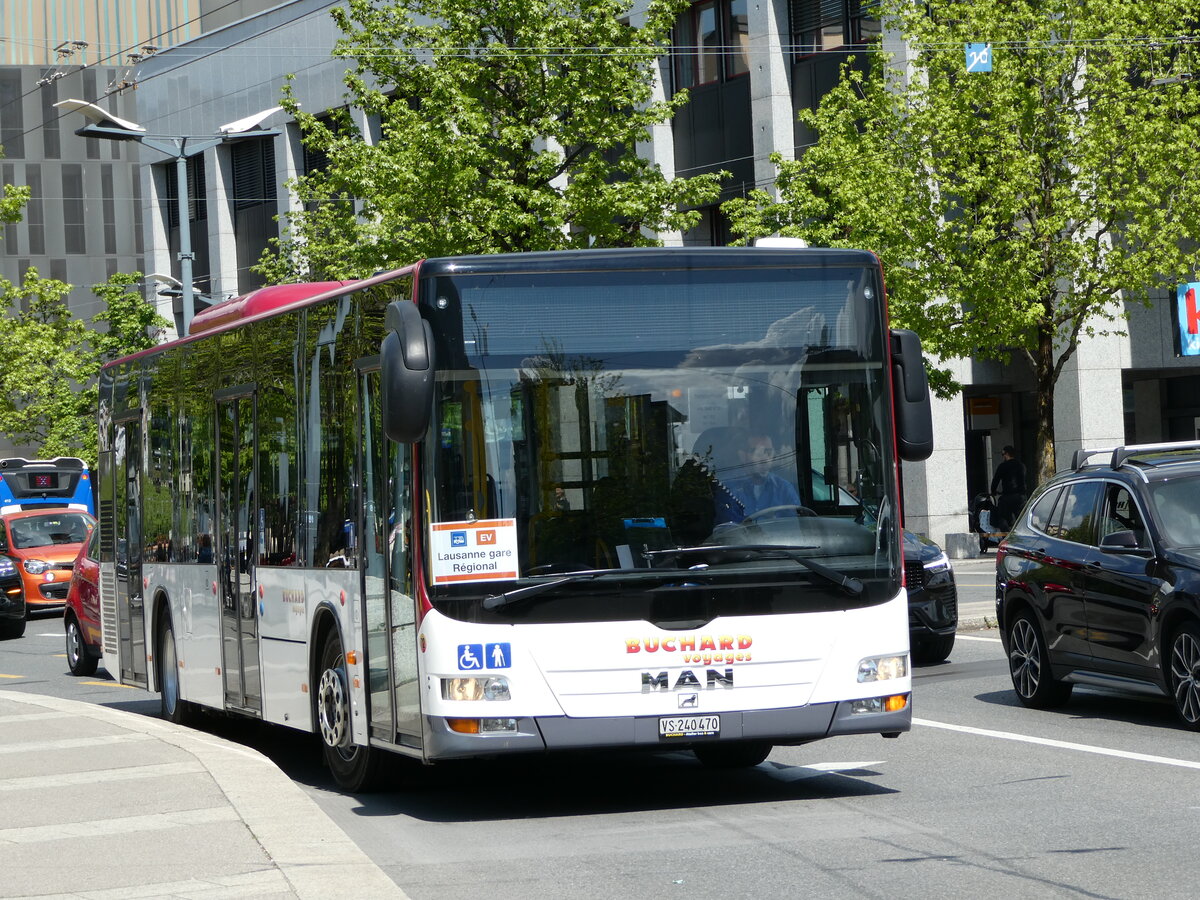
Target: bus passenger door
{"x":237,"y":551}
{"x":390,"y":612}
{"x":131,"y":613}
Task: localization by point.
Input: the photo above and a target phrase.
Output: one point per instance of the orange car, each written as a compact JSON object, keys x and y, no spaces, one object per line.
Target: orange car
{"x":44,"y":543}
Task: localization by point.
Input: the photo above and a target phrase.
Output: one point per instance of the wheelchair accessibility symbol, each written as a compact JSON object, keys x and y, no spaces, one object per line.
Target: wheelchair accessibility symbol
{"x":481,"y":656}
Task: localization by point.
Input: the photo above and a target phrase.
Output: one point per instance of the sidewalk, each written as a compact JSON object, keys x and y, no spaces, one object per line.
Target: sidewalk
{"x":976,"y":615}
{"x":107,"y":805}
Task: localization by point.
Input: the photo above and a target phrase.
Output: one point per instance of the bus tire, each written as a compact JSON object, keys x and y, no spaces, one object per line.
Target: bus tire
{"x":742,"y":755}
{"x":174,"y":708}
{"x":79,"y":660}
{"x":353,"y":767}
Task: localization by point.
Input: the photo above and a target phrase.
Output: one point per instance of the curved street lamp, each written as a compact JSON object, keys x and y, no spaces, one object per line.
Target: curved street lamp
{"x":105,"y":125}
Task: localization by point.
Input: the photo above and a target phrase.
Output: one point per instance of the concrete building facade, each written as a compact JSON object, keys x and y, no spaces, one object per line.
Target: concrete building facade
{"x":749,"y":65}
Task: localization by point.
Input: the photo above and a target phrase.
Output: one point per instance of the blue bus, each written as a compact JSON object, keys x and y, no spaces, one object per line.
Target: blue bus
{"x":64,"y":481}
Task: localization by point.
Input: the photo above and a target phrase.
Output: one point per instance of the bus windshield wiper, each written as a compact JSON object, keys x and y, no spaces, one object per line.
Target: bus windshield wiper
{"x":849,"y":584}
{"x":516,"y":595}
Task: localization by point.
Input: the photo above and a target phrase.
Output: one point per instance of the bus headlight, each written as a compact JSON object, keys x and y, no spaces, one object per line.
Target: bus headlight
{"x":882,"y":668}
{"x":35,"y":566}
{"x":489,"y":687}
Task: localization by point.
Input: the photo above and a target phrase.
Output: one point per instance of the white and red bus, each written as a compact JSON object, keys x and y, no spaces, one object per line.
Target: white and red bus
{"x":523,"y":503}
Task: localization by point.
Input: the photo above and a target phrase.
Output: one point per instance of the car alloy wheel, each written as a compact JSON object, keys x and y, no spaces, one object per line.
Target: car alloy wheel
{"x":1029,"y":665}
{"x":1024,"y":658}
{"x":1185,"y":675}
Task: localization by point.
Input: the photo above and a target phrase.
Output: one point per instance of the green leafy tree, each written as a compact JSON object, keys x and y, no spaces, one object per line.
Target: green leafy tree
{"x":510,"y":126}
{"x":1017,"y":211}
{"x":131,"y":323}
{"x":49,"y":359}
{"x":45,"y":366}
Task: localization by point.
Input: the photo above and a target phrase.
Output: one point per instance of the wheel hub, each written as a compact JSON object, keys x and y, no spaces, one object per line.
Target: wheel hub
{"x":332,"y":708}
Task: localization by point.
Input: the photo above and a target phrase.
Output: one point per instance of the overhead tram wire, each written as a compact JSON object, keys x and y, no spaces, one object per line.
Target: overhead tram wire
{"x":670,"y":50}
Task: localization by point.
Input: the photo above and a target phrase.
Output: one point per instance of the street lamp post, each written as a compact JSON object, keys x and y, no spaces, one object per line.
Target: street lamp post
{"x":105,"y":125}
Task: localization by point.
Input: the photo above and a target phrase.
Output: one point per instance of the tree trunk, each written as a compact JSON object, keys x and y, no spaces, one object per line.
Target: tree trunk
{"x":1045,"y":377}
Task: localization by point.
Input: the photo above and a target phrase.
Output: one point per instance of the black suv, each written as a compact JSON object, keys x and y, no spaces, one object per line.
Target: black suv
{"x":1099,"y":581}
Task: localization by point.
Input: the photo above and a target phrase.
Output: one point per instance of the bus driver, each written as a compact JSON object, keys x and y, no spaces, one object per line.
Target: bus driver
{"x":760,"y":488}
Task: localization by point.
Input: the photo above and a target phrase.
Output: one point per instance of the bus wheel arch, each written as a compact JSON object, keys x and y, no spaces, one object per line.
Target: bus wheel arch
{"x":354,"y":767}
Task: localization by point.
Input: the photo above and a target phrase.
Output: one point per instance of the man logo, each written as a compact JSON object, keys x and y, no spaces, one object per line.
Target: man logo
{"x":687,"y":681}
{"x":689,"y":701}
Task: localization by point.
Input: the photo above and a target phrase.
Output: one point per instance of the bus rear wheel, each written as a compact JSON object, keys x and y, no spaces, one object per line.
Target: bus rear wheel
{"x":174,"y":708}
{"x":354,"y":768}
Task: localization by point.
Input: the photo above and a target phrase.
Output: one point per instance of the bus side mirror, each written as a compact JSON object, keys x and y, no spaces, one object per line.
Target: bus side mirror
{"x":406,"y":359}
{"x":910,"y":390}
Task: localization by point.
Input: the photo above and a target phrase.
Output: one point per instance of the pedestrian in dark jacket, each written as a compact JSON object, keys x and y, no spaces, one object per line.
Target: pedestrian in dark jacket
{"x":1009,"y":485}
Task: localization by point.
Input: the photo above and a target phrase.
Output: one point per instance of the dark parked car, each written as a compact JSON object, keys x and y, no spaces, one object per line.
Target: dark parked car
{"x":932,"y":600}
{"x":1098,"y":582}
{"x":12,"y":599}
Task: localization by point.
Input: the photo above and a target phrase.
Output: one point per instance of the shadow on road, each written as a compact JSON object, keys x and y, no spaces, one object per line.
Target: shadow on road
{"x":571,"y":784}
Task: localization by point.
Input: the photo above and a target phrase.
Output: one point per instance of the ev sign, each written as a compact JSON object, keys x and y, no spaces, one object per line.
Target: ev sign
{"x":483,"y":550}
{"x":979,"y":58}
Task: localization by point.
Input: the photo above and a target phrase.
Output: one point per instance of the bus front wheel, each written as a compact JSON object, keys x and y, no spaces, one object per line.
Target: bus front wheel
{"x":354,"y":768}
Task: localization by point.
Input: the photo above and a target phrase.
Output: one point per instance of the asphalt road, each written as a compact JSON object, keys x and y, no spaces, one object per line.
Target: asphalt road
{"x":983,"y":797}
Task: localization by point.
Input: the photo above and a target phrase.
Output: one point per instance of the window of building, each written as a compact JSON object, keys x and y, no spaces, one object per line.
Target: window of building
{"x":254,"y":206}
{"x":74,"y":228}
{"x":822,"y":25}
{"x":197,"y":189}
{"x":712,"y":43}
{"x":12,"y":123}
{"x":51,"y":144}
{"x":35,"y":213}
{"x":253,"y":164}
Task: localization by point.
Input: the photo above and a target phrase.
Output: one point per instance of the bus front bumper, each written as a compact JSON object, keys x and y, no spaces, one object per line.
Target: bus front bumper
{"x":795,"y":725}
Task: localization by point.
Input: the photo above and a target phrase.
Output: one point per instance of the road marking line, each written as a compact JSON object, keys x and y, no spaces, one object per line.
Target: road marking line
{"x":2,"y":675}
{"x":789,"y":773}
{"x":252,"y":884}
{"x":74,"y":743}
{"x":74,"y":779}
{"x":109,"y":684}
{"x":1061,"y":745}
{"x":971,"y":637}
{"x":34,"y":717}
{"x":131,"y":824}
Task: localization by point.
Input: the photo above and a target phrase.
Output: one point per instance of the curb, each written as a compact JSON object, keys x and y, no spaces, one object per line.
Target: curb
{"x":313,"y":854}
{"x":977,"y":623}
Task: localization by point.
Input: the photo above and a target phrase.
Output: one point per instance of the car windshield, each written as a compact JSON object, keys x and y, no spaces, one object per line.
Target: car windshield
{"x":737,"y":410}
{"x":49,"y":530}
{"x":1177,"y":504}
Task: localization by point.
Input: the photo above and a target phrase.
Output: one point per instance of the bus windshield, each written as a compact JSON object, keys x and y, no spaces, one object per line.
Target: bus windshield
{"x":664,"y":445}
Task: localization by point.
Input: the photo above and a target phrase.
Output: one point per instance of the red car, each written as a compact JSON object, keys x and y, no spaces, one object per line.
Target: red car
{"x":81,"y":619}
